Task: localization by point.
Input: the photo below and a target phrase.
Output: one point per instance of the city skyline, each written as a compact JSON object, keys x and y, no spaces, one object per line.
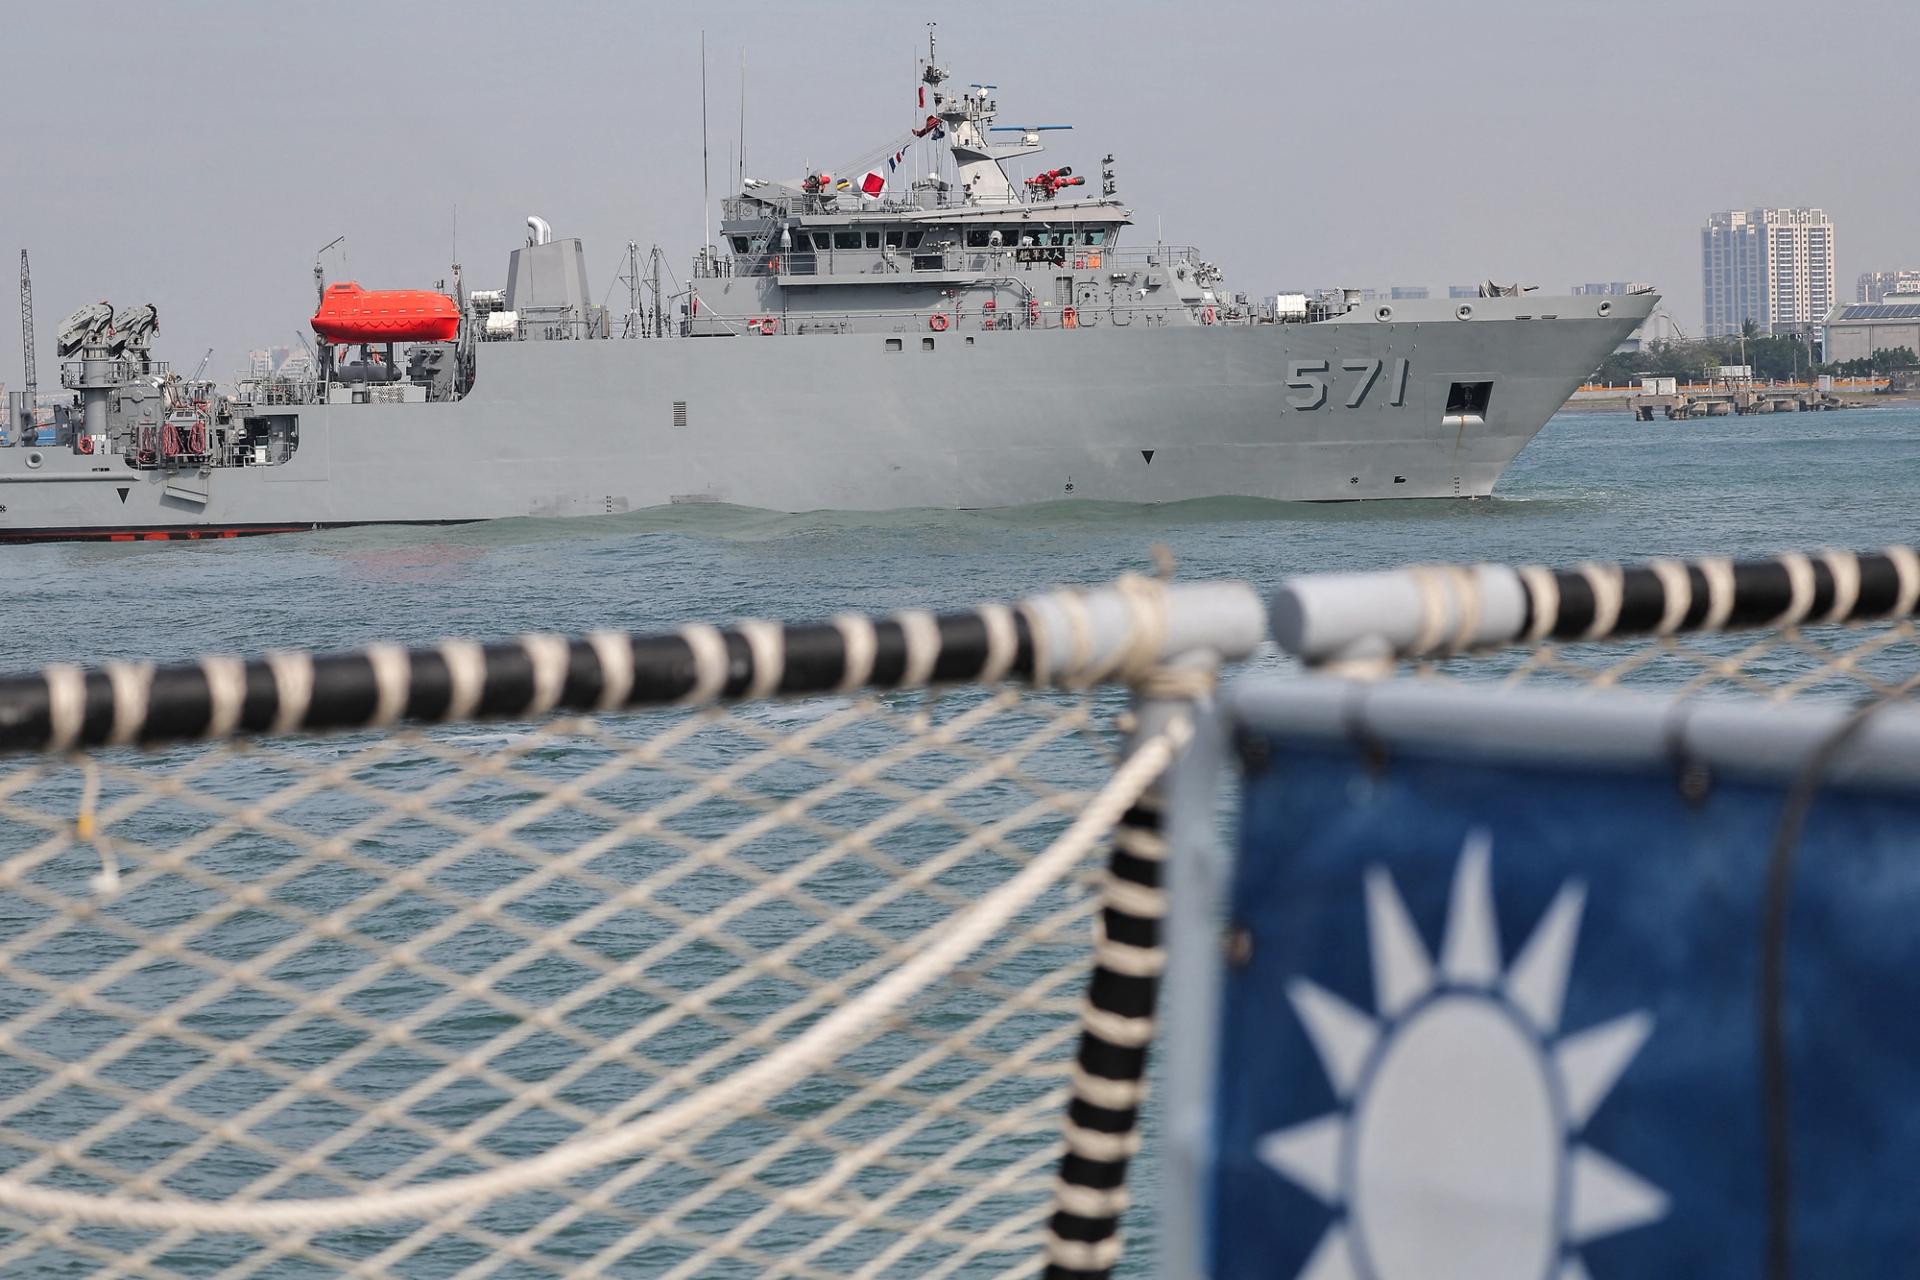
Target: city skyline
{"x":1876,"y":286}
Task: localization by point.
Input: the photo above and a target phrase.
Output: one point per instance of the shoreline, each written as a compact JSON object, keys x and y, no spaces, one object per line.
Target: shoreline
{"x":1588,"y":402}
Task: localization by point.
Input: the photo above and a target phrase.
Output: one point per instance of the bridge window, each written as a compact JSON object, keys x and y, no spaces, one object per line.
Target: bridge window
{"x":873,"y":239}
{"x":913,"y":239}
{"x":739,"y":244}
{"x":977,"y":237}
{"x":846,"y":239}
{"x":821,"y":240}
{"x":1094,"y":237}
{"x":893,"y":239}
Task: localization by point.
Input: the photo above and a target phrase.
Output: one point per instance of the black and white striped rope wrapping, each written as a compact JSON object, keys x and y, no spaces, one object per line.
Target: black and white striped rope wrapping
{"x":1108,"y":1081}
{"x":1430,"y":610}
{"x":1062,"y":638}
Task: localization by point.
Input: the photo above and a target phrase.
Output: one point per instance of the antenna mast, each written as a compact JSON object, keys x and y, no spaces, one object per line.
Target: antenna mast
{"x":659,"y":310}
{"x":636,"y":324}
{"x":932,"y":76}
{"x":26,"y":333}
{"x":706,"y":186}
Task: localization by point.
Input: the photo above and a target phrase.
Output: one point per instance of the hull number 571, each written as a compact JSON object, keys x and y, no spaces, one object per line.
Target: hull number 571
{"x":1312,"y":380}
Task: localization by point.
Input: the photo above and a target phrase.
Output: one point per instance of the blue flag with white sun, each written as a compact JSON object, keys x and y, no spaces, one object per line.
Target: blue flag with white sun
{"x":1549,"y":1023}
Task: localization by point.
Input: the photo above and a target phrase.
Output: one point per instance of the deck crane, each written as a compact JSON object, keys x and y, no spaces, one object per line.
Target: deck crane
{"x":26,"y":339}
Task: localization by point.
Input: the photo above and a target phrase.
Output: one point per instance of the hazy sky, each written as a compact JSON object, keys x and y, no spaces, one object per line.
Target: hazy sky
{"x":196,"y":155}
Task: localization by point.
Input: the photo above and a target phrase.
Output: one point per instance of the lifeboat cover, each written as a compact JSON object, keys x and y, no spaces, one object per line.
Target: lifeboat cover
{"x":349,"y":313}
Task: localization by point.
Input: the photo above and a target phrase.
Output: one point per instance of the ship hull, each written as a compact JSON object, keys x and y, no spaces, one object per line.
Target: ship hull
{"x":879,"y":421}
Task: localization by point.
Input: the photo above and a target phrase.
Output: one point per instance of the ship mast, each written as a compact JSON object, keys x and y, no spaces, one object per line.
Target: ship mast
{"x":968,"y":117}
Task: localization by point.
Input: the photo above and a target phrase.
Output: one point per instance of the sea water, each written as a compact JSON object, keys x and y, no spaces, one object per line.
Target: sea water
{"x":1592,"y":486}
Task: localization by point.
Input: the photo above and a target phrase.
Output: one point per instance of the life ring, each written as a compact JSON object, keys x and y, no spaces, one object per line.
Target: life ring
{"x":84,"y":444}
{"x":938,"y":322}
{"x":1207,"y":315}
{"x":1069,"y":318}
{"x":765,"y":324}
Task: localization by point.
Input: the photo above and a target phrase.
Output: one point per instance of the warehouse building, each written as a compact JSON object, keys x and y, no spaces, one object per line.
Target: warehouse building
{"x":1857,"y":330}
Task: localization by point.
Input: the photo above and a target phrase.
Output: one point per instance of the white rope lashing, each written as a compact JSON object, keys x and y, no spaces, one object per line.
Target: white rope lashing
{"x":709,"y":662}
{"x":856,"y":634}
{"x":615,"y":653}
{"x":1676,"y":592}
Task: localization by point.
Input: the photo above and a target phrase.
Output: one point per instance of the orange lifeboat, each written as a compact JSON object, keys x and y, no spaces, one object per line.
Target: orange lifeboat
{"x":349,"y":313}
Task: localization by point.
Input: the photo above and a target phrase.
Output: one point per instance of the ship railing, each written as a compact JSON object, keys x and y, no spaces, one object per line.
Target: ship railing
{"x":562,"y":326}
{"x":1156,"y":256}
{"x":970,"y":317}
{"x":967,"y":314}
{"x":738,"y":209}
{"x":893,"y":200}
{"x":275,"y":390}
{"x":843,"y":948}
{"x":118,"y":370}
{"x":955,"y":259}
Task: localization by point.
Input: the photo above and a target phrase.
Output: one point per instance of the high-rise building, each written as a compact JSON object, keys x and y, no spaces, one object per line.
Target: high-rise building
{"x":1877,"y":286}
{"x":1771,"y":266}
{"x":1463,"y":291}
{"x":1407,"y":291}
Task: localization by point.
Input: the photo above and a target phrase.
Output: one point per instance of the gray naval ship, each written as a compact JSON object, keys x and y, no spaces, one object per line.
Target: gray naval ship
{"x":900,"y":334}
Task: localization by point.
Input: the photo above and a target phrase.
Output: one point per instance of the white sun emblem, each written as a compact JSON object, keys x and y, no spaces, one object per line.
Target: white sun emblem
{"x":1455,"y":1155}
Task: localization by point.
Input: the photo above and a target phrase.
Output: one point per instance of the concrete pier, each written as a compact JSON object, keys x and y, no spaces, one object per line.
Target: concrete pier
{"x":1678,"y":405}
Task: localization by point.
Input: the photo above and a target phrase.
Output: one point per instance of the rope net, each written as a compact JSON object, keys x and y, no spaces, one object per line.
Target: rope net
{"x":787,"y":989}
{"x":1871,"y":659}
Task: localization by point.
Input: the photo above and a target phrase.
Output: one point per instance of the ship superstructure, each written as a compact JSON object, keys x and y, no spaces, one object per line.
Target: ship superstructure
{"x":896,"y":333}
